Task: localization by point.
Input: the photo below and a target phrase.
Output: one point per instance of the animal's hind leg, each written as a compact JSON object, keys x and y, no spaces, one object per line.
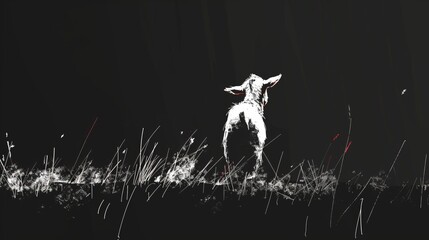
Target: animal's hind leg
{"x":225,"y":147}
{"x":258,"y":155}
{"x":258,"y":163}
{"x":224,"y":144}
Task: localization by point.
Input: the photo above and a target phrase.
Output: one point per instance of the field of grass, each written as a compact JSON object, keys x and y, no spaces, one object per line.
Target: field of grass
{"x":158,"y":197}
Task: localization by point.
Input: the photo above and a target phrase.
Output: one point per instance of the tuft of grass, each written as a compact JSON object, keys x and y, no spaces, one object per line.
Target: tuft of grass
{"x":378,"y":183}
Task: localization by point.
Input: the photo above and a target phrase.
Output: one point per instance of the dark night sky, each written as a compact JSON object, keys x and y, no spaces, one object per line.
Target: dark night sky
{"x":151,"y":63}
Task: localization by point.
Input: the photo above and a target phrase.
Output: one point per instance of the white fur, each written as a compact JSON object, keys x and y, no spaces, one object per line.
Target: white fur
{"x":252,"y":107}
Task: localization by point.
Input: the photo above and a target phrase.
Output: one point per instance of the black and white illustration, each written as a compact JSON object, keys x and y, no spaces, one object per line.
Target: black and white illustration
{"x":247,"y":118}
{"x":214,"y":119}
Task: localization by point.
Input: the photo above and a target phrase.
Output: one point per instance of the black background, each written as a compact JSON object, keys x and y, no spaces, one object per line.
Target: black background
{"x":165,"y":63}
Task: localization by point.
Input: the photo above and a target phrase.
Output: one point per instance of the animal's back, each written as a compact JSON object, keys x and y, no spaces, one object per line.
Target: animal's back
{"x":243,"y":135}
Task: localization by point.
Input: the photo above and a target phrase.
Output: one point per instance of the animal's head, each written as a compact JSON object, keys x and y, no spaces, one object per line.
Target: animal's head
{"x":254,"y":88}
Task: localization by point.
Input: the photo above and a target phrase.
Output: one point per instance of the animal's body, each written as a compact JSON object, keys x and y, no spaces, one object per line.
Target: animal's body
{"x":244,"y":129}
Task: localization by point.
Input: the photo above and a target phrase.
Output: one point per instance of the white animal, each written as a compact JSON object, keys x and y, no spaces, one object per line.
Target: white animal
{"x":249,"y":114}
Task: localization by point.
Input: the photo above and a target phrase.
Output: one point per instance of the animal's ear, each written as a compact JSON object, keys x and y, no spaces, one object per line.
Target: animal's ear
{"x":236,"y":90}
{"x":270,"y":82}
